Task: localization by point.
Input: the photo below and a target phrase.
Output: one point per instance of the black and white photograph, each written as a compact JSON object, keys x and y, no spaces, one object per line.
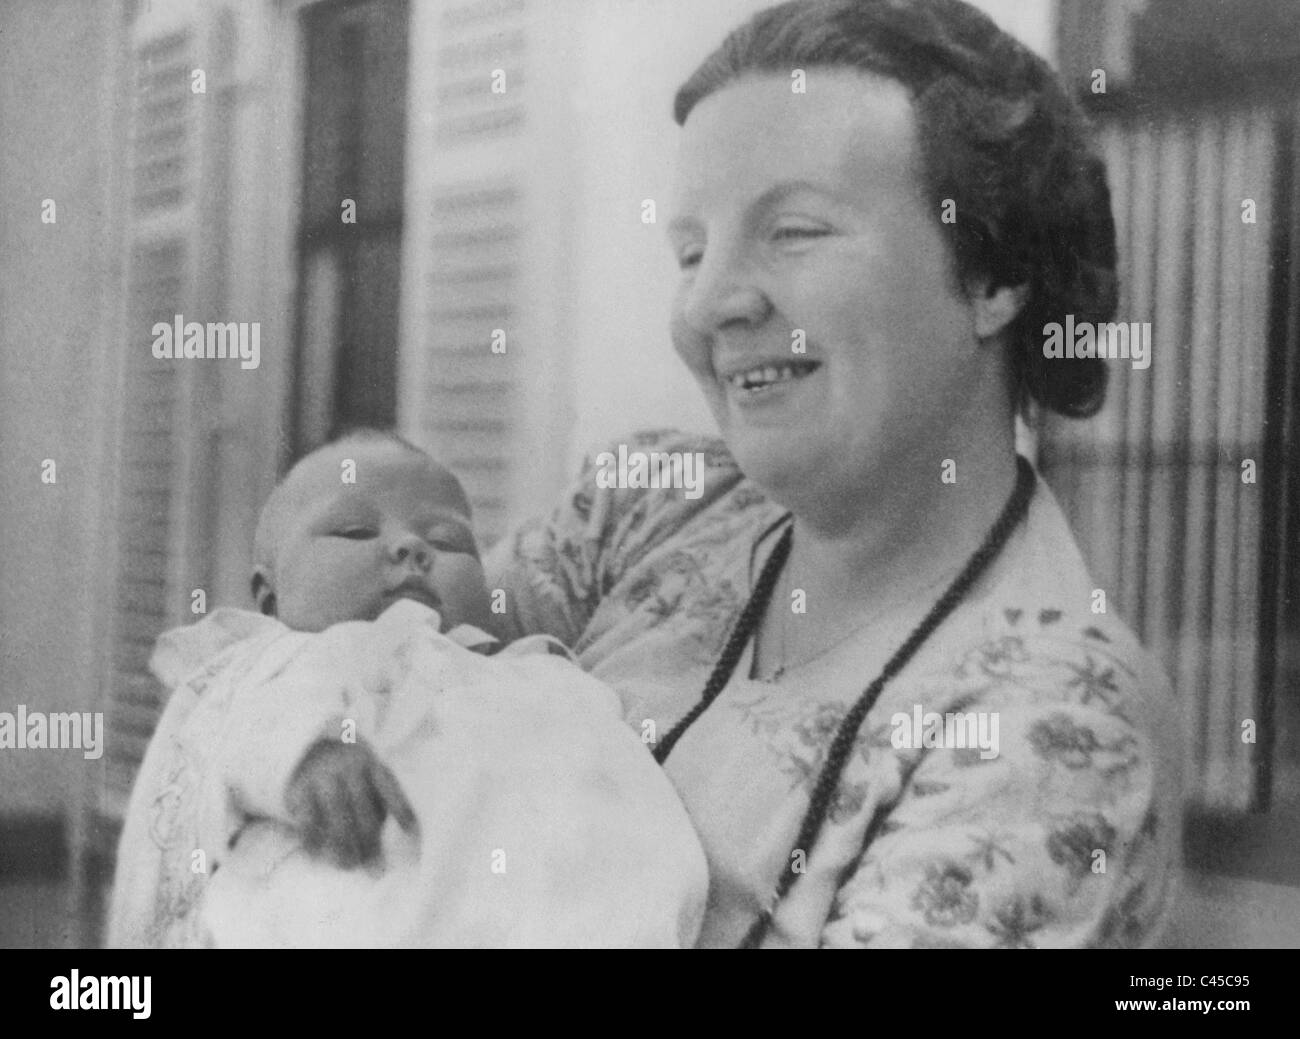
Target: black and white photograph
{"x":657,"y":474}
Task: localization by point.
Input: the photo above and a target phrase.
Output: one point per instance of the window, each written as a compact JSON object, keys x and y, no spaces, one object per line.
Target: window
{"x":1182,"y":491}
{"x":350,"y":235}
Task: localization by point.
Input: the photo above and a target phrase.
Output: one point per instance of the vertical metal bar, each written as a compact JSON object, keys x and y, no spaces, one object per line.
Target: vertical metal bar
{"x":1279,"y":474}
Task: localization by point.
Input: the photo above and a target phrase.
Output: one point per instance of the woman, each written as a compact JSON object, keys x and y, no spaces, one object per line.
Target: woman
{"x":867,"y":265}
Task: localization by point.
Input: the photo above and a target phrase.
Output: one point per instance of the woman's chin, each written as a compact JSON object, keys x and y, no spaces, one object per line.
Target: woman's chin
{"x":776,"y":460}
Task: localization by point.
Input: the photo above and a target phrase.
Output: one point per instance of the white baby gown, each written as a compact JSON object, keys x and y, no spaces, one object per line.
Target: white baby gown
{"x":543,"y":820}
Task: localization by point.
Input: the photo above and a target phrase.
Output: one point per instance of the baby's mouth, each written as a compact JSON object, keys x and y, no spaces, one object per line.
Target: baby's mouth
{"x":414,"y":588}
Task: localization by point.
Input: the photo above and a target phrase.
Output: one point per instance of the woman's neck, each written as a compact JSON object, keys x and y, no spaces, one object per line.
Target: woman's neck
{"x":857,"y":553}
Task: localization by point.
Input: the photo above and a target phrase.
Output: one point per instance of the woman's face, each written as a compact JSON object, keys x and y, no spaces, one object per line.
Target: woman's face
{"x":799,"y":221}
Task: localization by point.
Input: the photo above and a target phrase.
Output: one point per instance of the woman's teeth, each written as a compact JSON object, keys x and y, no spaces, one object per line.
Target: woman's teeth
{"x":770,"y":374}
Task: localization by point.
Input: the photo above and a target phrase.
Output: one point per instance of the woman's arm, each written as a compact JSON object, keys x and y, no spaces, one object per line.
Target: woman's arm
{"x":547,"y":566}
{"x":556,"y":570}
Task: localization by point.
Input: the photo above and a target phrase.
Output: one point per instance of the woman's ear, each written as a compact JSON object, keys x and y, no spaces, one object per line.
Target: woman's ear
{"x":996,"y":308}
{"x":263,"y":595}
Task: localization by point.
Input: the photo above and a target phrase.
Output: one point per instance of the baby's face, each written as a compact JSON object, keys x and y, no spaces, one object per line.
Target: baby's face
{"x":348,"y":551}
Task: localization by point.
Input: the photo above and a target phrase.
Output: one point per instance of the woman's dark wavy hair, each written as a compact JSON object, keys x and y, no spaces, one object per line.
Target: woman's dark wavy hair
{"x":998,"y":135}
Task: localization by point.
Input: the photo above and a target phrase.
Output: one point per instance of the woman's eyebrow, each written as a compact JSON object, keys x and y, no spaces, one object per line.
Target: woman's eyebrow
{"x":778,"y":193}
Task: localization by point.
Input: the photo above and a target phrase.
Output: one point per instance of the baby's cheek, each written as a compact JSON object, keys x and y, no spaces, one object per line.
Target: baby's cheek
{"x":312,"y":608}
{"x":460,"y":585}
{"x":329,"y":592}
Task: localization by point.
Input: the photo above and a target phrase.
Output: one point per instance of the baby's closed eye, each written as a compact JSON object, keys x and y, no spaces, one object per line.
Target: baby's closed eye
{"x":355,"y":533}
{"x":451,"y":539}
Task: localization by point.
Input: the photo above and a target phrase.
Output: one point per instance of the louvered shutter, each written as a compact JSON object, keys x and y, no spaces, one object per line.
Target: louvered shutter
{"x":477,"y":218}
{"x":155,"y":395}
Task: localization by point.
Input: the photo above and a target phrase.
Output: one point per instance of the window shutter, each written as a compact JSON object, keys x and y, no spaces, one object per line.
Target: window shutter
{"x":477,"y":217}
{"x":162,"y":165}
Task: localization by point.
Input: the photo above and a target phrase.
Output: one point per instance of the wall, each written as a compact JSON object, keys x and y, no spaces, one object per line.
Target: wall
{"x":55,"y":107}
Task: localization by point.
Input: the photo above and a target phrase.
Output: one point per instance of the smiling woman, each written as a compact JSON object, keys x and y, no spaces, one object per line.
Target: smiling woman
{"x":867,"y":542}
{"x":807,"y":215}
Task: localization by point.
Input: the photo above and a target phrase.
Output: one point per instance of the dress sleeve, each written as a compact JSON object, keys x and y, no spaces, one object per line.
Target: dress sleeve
{"x":556,"y":570}
{"x":1068,"y":837}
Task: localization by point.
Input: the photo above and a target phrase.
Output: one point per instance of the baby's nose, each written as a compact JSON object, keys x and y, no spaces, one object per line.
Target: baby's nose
{"x":410,"y":547}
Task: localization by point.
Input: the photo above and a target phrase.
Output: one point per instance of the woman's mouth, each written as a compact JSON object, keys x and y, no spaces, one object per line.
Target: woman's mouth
{"x":764,"y":379}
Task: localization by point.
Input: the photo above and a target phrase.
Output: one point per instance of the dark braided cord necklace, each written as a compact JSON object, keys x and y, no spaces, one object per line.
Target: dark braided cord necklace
{"x":845,"y":736}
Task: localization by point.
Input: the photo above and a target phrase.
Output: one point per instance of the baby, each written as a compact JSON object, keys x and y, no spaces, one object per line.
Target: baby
{"x":348,"y":767}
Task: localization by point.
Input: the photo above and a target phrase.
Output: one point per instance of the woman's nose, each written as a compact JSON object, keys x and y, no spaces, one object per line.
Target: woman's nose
{"x":408,"y":547}
{"x":723,"y":292}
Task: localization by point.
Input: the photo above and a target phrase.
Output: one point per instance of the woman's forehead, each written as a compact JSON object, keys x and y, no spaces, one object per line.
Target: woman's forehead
{"x":849,"y":131}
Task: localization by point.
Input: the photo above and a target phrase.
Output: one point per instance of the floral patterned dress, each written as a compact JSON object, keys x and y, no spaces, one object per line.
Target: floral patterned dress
{"x":1069,"y":835}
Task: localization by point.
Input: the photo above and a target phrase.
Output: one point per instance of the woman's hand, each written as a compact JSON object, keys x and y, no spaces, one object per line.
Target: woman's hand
{"x":339,"y":796}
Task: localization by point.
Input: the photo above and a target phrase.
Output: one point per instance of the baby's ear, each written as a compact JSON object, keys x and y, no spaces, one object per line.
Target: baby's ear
{"x":263,"y":594}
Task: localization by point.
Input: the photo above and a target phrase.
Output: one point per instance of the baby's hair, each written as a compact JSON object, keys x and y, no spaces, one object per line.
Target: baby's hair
{"x":271,"y":518}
